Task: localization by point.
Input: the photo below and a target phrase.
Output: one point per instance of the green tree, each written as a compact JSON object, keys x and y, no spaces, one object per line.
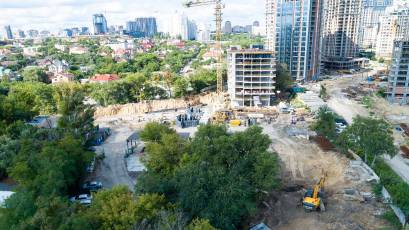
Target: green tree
{"x":370,"y":138}
{"x":200,"y":224}
{"x":118,"y":209}
{"x":76,"y":117}
{"x":283,"y":79}
{"x":212,"y":163}
{"x":325,"y":124}
{"x":180,"y":87}
{"x":8,"y":150}
{"x":35,"y":74}
{"x":153,"y":132}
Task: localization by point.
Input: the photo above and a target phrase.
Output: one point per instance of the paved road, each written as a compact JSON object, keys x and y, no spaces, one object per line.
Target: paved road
{"x":112,"y":170}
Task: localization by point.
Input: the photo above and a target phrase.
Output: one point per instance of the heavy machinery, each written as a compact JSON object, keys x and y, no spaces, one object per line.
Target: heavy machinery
{"x":218,"y":38}
{"x":221,"y":117}
{"x":313,"y":198}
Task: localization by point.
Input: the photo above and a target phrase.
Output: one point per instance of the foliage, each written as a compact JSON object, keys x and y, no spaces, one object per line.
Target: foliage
{"x":180,"y":87}
{"x":35,"y":74}
{"x":132,"y":88}
{"x":8,"y":149}
{"x":323,"y":93}
{"x":76,"y":117}
{"x":118,"y":209}
{"x":153,"y":132}
{"x":368,"y":102}
{"x":197,"y":173}
{"x":392,"y":219}
{"x":243,"y":40}
{"x":398,"y":189}
{"x":381,"y":92}
{"x":370,"y":138}
{"x":325,"y":124}
{"x":25,"y":100}
{"x":202,"y":79}
{"x":283,"y":79}
{"x":200,"y":224}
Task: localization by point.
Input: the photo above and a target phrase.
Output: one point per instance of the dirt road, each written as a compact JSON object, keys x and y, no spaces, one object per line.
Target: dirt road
{"x":112,"y":170}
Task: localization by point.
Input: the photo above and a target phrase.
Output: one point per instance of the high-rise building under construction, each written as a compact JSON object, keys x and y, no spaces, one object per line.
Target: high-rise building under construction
{"x":342,"y":22}
{"x":294,"y":33}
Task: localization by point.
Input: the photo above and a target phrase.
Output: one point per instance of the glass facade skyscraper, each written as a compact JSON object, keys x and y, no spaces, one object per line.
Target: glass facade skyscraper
{"x":100,"y":24}
{"x":298,"y":36}
{"x":142,"y":27}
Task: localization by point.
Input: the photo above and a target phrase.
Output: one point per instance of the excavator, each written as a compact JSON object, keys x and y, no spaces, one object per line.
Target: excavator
{"x":312,"y":200}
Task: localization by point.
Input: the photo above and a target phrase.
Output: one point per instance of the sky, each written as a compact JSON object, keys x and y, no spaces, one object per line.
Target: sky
{"x":54,"y":15}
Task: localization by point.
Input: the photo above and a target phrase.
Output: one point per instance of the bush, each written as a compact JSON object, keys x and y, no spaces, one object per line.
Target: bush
{"x":398,"y":189}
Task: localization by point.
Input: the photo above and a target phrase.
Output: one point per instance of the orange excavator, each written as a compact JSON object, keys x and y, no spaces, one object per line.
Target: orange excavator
{"x":313,"y":198}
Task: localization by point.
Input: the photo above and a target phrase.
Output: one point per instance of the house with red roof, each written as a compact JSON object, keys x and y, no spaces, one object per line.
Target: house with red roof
{"x":104,"y":78}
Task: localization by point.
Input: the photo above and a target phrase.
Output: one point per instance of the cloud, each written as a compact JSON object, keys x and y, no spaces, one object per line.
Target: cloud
{"x":58,"y":14}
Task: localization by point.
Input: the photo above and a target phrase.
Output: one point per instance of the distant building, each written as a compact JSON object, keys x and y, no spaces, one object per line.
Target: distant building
{"x":58,"y":66}
{"x":398,"y":81}
{"x":8,"y":32}
{"x":393,"y":26}
{"x":249,"y":29}
{"x":251,"y":77}
{"x":227,"y":28}
{"x":33,"y":33}
{"x":372,"y":11}
{"x":84,"y":31}
{"x":100,"y":24}
{"x":31,"y":51}
{"x":61,"y":47}
{"x":62,"y":78}
{"x":256,"y":23}
{"x":67,"y":33}
{"x":21,"y":34}
{"x":192,"y":30}
{"x":239,"y":29}
{"x":103,"y":78}
{"x":45,"y":33}
{"x":203,"y":33}
{"x":181,"y":27}
{"x":142,"y":27}
{"x":78,"y":50}
{"x":341,"y":34}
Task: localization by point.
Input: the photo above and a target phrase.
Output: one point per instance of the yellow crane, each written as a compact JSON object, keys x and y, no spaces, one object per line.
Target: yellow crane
{"x":312,"y":200}
{"x":218,"y":38}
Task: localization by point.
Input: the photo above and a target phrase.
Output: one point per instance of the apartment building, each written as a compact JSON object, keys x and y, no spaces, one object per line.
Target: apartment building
{"x":298,"y":37}
{"x":341,"y":34}
{"x":271,"y":9}
{"x":393,"y":26}
{"x":370,"y":22}
{"x":398,"y":82}
{"x":251,"y":76}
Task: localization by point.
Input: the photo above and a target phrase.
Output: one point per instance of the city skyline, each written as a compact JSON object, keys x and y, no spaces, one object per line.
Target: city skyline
{"x":60,"y":14}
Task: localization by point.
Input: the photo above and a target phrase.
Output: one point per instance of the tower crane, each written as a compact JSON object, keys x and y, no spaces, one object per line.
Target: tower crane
{"x":218,"y":8}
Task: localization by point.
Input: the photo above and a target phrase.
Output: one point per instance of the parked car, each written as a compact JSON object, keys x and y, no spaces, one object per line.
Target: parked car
{"x":84,"y":199}
{"x":92,"y":186}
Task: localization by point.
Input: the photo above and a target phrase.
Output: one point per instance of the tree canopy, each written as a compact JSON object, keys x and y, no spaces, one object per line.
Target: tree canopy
{"x":196,"y":174}
{"x":370,"y":138}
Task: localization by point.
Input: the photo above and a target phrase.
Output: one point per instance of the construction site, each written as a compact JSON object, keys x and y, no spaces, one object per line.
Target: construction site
{"x":321,"y":188}
{"x":349,"y":201}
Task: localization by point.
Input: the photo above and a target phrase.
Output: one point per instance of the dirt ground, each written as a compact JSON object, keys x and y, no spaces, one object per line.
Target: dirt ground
{"x":302,"y":165}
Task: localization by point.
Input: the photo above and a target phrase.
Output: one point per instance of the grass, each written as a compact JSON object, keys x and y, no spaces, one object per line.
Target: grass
{"x":392,"y":219}
{"x":367,"y":102}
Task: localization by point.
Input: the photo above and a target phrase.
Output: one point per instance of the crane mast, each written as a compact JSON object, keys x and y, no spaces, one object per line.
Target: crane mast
{"x":218,"y":35}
